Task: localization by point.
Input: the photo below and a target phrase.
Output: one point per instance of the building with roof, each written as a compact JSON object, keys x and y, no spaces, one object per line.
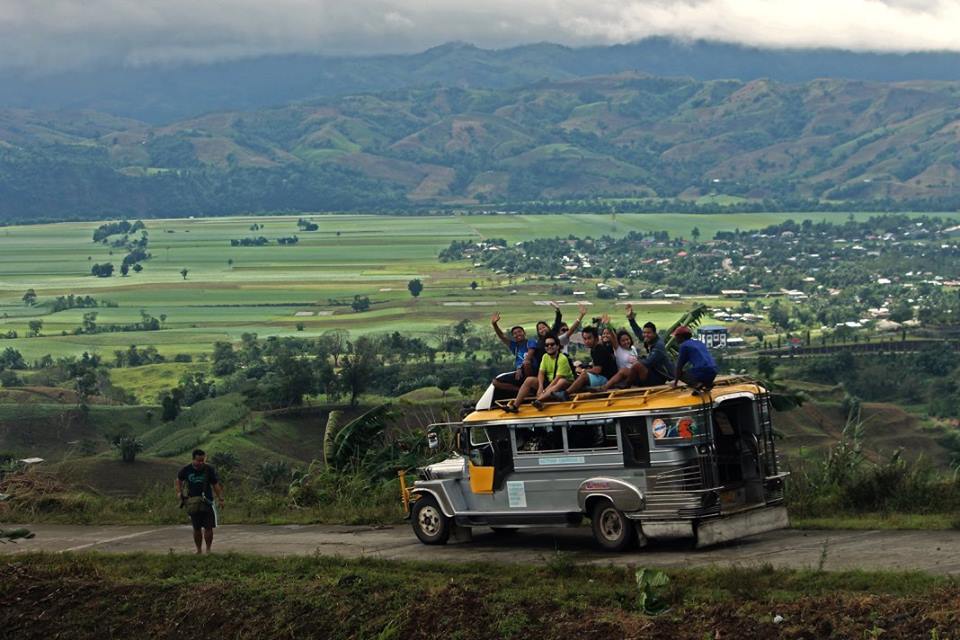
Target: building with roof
{"x":713,"y":335}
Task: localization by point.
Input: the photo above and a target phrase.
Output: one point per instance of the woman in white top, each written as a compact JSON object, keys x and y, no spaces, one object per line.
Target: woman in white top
{"x":625,"y":352}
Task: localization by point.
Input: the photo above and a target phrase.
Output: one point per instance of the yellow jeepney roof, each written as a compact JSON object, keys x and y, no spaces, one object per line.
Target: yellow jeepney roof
{"x":663,"y":398}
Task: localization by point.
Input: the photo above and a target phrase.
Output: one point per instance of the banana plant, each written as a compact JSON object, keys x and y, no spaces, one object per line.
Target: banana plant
{"x":691,"y":319}
{"x":352,"y":442}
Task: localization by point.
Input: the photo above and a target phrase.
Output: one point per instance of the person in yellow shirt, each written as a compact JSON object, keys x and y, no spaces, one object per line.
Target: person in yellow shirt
{"x":553,"y":377}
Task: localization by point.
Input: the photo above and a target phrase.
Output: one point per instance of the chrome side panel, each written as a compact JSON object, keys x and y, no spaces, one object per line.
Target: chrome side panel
{"x":446,"y":492}
{"x":624,"y":496}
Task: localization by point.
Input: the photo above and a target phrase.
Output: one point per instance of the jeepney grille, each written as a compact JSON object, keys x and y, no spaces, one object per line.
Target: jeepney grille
{"x":680,"y":479}
{"x":678,"y":493}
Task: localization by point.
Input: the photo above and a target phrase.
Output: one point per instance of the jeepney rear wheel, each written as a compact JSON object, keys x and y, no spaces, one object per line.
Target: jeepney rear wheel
{"x":611,"y":528}
{"x":429,"y":523}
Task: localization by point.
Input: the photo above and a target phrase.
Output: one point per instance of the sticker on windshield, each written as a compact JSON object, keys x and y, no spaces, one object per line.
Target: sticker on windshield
{"x":659,"y":428}
{"x":517,"y":495}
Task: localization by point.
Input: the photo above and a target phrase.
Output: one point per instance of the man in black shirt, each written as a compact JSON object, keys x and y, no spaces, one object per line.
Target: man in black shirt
{"x":201,"y":482}
{"x":603,"y":364}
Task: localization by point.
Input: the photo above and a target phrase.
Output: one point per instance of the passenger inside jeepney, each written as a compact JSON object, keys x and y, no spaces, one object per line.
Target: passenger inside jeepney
{"x":546,"y":438}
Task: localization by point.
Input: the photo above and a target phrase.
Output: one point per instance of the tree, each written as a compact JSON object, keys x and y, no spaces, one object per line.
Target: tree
{"x":163,"y":318}
{"x":224,"y":359}
{"x":779,"y":316}
{"x":291,"y":379}
{"x":170,"y":401}
{"x":89,"y":322}
{"x":334,"y":342}
{"x":359,"y":368}
{"x":415,"y":287}
{"x":10,"y":358}
{"x":360,"y":303}
{"x":124,"y":269}
{"x":474,"y":285}
{"x":184,"y":272}
{"x":30,"y":298}
{"x":104,"y":270}
{"x":86,"y":385}
{"x":901,"y":311}
{"x":137,"y":268}
{"x":128,"y":446}
{"x":695,"y":234}
{"x":35,"y":327}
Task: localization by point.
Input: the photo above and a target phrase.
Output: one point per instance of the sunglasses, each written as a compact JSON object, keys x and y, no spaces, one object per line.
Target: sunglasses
{"x":549,"y":344}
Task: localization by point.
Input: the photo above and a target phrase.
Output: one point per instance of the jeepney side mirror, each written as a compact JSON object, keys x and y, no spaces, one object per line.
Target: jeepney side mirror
{"x":433,"y":441}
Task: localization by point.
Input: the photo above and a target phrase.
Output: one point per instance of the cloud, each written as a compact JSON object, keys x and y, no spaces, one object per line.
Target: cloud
{"x":71,"y":33}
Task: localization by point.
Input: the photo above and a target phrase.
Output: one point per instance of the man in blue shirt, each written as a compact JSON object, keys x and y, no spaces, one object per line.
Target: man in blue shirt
{"x":702,"y":370}
{"x":524,"y":353}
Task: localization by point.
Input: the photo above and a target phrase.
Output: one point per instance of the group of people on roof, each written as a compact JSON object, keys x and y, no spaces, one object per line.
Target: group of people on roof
{"x":544,"y":370}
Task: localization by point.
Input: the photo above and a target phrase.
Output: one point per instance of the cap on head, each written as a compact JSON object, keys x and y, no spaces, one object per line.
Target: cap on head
{"x":682,"y":330}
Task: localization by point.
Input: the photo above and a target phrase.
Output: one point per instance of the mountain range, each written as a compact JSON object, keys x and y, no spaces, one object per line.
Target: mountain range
{"x":631,"y":138}
{"x":164,"y":94}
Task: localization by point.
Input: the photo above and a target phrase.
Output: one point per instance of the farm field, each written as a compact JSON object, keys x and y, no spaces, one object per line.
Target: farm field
{"x":272,"y":289}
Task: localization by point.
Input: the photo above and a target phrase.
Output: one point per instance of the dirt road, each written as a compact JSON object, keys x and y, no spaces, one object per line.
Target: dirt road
{"x":931,"y":551}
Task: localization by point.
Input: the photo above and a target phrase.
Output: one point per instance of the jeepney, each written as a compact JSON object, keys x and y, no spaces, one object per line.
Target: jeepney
{"x":640,"y":463}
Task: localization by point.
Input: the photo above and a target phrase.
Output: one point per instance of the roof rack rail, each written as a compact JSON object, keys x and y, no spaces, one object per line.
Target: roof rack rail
{"x":636,"y":393}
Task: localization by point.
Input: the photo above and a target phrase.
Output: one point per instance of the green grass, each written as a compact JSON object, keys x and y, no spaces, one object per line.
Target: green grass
{"x":265,"y":287}
{"x":241,"y":596}
{"x":147,"y":382}
{"x":872,"y":521}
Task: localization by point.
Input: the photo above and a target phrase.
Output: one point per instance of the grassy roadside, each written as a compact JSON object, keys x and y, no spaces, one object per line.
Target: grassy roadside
{"x":245,"y":596}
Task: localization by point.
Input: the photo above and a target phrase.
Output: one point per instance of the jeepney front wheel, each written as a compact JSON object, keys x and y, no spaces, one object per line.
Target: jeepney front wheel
{"x":611,"y":528}
{"x":429,"y":523}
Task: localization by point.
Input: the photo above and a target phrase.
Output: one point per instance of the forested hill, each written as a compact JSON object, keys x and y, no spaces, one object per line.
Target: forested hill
{"x":627,"y":136}
{"x":163,"y":94}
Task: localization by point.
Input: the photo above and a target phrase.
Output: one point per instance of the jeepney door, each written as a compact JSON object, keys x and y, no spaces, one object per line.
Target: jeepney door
{"x":488,"y":458}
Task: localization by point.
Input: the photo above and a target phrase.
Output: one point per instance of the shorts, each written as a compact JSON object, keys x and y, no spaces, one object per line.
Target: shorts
{"x":595,"y":379}
{"x":204,"y":519}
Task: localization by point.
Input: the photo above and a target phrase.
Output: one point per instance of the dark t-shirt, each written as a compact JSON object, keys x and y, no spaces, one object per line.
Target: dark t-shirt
{"x":602,"y":356}
{"x":195,"y":480}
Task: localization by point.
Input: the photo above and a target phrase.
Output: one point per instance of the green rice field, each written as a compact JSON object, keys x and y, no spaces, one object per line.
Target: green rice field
{"x":269,"y":290}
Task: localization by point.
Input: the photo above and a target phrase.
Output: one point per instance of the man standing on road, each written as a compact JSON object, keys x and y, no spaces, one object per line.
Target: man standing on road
{"x":202,"y":481}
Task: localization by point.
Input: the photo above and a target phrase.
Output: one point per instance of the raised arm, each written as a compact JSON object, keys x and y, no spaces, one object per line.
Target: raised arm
{"x":495,"y":321}
{"x":681,"y":363}
{"x":557,"y":318}
{"x":634,"y":325}
{"x":576,"y":323}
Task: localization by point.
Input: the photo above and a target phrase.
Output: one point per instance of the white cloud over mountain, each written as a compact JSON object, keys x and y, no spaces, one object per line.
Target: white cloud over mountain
{"x":72,"y":33}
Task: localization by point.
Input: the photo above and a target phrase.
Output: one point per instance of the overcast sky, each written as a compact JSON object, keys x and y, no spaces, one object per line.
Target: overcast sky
{"x":46,"y":34}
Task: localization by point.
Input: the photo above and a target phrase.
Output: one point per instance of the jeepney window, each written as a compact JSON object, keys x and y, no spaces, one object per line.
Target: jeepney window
{"x":636,"y":447}
{"x":481,"y":449}
{"x":592,"y":436}
{"x":539,"y":439}
{"x":478,"y":436}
